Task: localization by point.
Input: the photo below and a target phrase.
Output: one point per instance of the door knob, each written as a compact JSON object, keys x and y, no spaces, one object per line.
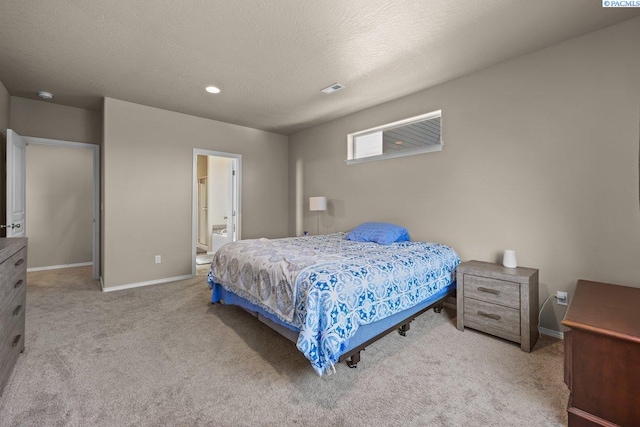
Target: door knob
{"x":10,"y":226}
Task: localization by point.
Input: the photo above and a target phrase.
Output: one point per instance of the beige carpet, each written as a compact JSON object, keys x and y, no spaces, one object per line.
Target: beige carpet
{"x":162,"y":355}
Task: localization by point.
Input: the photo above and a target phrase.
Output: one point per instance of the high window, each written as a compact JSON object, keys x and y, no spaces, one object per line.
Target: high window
{"x":415,"y":135}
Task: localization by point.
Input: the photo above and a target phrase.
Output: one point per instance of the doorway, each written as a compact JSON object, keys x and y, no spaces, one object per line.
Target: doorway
{"x":16,"y":187}
{"x":216,"y":203}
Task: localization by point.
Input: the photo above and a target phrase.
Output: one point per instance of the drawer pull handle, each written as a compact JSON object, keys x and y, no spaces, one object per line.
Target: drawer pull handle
{"x":19,"y":262}
{"x":16,"y":340}
{"x":487,"y":290}
{"x":18,"y":283}
{"x":489,"y":315}
{"x":17,"y":310}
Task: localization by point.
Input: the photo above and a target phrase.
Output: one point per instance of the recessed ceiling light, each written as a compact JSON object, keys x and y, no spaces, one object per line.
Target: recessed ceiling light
{"x":212,"y":89}
{"x":334,"y":87}
{"x":45,"y":95}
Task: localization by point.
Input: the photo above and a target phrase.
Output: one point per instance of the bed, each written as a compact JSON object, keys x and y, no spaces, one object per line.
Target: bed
{"x":333,"y":296}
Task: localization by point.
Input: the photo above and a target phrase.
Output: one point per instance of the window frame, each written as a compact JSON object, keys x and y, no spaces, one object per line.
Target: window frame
{"x":351,"y":137}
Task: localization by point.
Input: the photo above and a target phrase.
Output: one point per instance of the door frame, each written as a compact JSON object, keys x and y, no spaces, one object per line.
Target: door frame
{"x":237,"y":208}
{"x":96,"y":188}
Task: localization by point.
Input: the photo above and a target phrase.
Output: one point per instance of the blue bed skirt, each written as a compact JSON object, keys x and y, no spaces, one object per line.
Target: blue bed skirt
{"x":364,"y":333}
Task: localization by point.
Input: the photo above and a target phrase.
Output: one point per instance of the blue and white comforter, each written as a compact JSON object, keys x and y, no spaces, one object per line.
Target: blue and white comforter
{"x":327,"y":286}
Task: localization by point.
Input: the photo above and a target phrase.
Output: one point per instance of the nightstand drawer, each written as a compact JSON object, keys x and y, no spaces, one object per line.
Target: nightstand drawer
{"x":492,"y":315}
{"x":492,"y":290}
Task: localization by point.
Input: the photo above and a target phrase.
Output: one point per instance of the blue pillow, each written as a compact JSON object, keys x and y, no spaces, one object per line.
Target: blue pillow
{"x":379,"y":232}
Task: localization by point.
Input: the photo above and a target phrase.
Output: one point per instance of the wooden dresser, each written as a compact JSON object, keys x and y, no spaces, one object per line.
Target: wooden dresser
{"x":13,"y":285}
{"x":602,"y":355}
{"x":499,"y":301}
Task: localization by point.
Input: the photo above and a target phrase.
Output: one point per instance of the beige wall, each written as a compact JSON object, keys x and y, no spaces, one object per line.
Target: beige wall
{"x":148,"y":161}
{"x":59,"y":205}
{"x":4,"y":110}
{"x":540,"y":155}
{"x":48,"y":120}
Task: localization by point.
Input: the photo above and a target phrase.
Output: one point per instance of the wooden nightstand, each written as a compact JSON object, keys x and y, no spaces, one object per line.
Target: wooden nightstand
{"x":499,"y":301}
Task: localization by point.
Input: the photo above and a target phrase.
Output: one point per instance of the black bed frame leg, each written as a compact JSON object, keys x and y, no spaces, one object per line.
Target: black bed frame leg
{"x":352,"y":362}
{"x":438,"y":308}
{"x":403,"y":329}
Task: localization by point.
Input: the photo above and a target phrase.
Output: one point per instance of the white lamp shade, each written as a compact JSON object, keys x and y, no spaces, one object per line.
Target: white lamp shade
{"x":317,"y":203}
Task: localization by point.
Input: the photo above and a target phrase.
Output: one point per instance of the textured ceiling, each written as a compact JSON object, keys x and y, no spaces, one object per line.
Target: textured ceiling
{"x":270,"y":57}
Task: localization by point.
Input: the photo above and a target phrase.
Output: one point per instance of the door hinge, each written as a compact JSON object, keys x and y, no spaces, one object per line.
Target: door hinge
{"x":233,"y":172}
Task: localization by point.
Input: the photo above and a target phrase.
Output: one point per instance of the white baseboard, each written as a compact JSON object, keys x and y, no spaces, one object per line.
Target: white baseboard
{"x":147,"y":283}
{"x":56,"y":267}
{"x":551,"y":333}
{"x":101,"y":284}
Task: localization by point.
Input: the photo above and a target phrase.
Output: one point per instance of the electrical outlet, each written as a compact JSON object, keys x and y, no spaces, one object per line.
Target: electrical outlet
{"x":158,"y":259}
{"x":562,"y":298}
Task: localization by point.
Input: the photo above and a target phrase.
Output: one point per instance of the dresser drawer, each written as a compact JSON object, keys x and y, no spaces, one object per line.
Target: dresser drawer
{"x":492,"y":290}
{"x":10,"y":349}
{"x":12,"y":316}
{"x":495,"y":316}
{"x":15,"y":263}
{"x":11,"y":287}
{"x":13,"y":284}
{"x":16,"y":327}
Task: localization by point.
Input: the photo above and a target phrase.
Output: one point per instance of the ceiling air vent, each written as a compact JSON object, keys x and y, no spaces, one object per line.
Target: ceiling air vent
{"x":334,"y":87}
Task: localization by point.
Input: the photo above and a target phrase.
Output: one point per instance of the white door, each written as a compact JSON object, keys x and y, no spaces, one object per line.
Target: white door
{"x":16,"y":185}
{"x":203,"y":227}
{"x":231,"y":206}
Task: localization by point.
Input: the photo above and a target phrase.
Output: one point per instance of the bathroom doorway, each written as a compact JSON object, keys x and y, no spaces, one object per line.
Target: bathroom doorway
{"x":216,"y":203}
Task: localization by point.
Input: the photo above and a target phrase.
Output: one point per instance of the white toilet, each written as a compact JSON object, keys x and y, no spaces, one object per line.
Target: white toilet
{"x":218,"y":238}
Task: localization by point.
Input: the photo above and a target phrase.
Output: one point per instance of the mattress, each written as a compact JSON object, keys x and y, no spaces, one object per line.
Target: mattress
{"x":326,"y":288}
